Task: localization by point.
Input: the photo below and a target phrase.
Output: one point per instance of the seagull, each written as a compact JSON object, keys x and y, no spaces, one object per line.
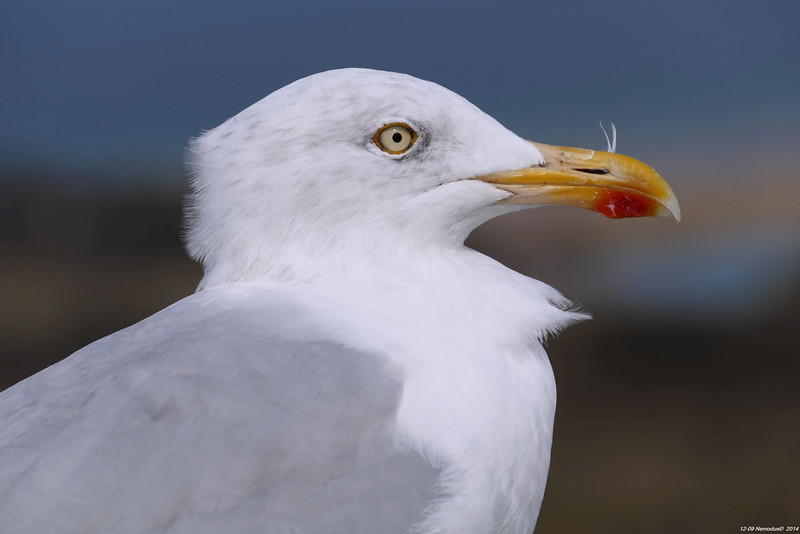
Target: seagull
{"x":347,"y":365}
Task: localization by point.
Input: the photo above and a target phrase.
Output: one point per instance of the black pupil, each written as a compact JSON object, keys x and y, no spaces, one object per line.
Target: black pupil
{"x":397,"y":137}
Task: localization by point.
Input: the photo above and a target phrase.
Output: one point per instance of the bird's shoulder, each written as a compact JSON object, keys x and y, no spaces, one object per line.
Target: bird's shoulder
{"x":197,"y":415}
{"x":219,"y":333}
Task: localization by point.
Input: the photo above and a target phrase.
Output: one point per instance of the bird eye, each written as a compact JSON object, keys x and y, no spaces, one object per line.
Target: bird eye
{"x":395,"y":138}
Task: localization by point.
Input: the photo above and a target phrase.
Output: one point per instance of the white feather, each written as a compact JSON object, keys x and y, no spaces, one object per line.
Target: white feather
{"x":611,"y":144}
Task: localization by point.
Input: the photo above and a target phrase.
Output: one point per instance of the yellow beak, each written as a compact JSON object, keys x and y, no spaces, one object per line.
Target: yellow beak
{"x":611,"y":184}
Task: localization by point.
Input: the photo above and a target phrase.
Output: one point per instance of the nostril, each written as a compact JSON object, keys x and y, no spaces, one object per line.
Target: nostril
{"x":594,"y":171}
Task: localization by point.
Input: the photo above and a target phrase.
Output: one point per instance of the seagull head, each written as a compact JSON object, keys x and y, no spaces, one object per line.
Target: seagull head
{"x":371,"y":165}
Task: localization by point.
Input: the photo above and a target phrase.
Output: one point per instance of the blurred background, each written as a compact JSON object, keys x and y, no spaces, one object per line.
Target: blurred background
{"x":679,"y":404}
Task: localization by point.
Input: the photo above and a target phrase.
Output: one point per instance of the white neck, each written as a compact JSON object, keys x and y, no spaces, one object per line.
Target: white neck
{"x":477,"y":382}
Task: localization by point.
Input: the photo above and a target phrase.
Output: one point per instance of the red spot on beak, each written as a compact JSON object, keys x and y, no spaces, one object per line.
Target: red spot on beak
{"x":616,"y":204}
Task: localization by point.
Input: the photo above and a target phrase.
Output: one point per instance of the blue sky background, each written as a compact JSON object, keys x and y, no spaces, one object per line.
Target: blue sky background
{"x":118,"y":87}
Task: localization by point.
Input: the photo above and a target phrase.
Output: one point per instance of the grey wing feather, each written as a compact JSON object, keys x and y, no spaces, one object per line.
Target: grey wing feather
{"x":203,"y":419}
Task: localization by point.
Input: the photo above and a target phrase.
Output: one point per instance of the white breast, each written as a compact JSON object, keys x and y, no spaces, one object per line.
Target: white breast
{"x":479,"y":393}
